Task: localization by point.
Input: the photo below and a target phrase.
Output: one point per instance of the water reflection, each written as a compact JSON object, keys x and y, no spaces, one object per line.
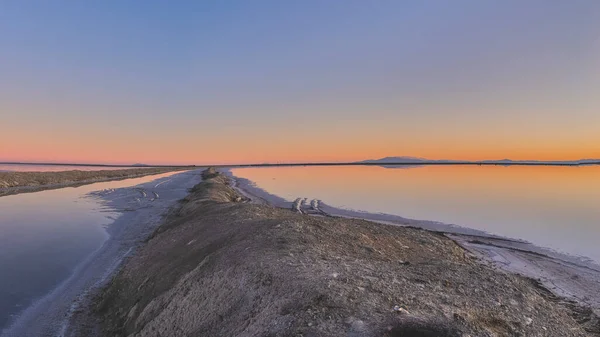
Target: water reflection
{"x":44,"y":235}
{"x":555,"y":207}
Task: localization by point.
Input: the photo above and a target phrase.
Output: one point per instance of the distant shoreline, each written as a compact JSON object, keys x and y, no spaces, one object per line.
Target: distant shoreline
{"x":412,"y":164}
{"x":399,"y":163}
{"x":95,"y":165}
{"x":15,"y":182}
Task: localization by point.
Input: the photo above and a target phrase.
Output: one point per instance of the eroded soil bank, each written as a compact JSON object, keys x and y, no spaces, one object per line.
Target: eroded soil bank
{"x":21,"y":182}
{"x":222,"y":266}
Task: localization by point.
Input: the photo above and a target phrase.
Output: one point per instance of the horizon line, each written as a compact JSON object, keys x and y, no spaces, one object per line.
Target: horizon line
{"x":368,"y":162}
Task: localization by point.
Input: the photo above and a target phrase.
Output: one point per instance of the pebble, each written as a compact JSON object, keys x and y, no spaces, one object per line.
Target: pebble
{"x":400,"y":310}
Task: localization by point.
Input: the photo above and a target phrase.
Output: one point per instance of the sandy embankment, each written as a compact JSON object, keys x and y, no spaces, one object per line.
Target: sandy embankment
{"x":222,"y":266}
{"x":22,"y":182}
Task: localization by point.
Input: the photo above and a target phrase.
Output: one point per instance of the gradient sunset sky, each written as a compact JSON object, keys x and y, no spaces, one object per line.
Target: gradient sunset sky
{"x":205,"y":82}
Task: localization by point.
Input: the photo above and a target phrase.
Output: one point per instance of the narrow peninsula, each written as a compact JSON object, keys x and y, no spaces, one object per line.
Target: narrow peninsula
{"x":221,"y":265}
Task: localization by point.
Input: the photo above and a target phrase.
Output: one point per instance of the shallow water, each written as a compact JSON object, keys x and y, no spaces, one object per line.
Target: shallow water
{"x":554,"y":207}
{"x":45,"y":235}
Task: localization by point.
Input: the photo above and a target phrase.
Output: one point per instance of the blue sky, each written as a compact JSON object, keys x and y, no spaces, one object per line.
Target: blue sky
{"x":125,"y":81}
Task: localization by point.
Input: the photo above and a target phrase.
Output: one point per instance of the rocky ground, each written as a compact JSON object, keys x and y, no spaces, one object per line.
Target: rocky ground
{"x":221,"y":266}
{"x":20,"y":182}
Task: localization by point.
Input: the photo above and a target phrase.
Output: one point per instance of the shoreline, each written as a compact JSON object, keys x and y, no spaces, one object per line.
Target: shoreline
{"x":226,"y":263}
{"x":16,"y":182}
{"x":141,"y":208}
{"x":569,"y":277}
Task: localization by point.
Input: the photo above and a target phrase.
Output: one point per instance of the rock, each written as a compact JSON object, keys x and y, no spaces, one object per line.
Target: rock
{"x":297,"y":205}
{"x":400,"y":310}
{"x":458,"y":317}
{"x":528,"y":321}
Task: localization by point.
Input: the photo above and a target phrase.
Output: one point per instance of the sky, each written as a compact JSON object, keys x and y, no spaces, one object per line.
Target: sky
{"x":209,"y":82}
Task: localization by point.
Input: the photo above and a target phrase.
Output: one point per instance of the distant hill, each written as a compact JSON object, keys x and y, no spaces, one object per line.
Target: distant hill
{"x":395,"y":160}
{"x":542,"y":162}
{"x":589,"y":161}
{"x":417,"y":161}
{"x":407,"y":160}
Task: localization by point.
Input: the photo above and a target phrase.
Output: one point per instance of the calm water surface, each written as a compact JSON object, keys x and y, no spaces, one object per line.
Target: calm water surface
{"x":554,"y":207}
{"x":45,"y":235}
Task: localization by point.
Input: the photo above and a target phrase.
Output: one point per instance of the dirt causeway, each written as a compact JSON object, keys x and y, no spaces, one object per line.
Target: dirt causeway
{"x":222,"y":266}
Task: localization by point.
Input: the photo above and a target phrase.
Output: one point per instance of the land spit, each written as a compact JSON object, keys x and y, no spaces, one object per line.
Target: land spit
{"x":222,"y":266}
{"x":23,"y":182}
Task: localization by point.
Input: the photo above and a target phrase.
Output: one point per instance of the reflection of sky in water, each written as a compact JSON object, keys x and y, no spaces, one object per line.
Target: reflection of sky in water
{"x":44,"y":235}
{"x":554,"y":207}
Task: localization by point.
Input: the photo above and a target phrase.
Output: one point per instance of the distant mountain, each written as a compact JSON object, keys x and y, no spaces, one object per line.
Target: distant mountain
{"x":405,"y":160}
{"x":543,"y":162}
{"x":395,"y":160}
{"x":138,"y":164}
{"x":420,"y":161}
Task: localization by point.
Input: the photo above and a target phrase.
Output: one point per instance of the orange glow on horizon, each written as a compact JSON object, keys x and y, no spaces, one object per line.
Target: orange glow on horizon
{"x":184,"y":157}
{"x":244,"y":147}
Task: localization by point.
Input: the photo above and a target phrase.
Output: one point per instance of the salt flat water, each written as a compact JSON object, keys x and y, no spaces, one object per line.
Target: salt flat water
{"x":45,"y":235}
{"x":549,"y":206}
